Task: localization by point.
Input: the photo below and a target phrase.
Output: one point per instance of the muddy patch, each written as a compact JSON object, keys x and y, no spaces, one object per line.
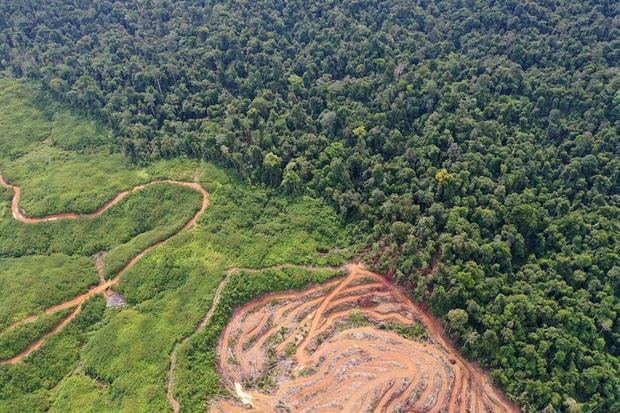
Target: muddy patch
{"x":114,"y":299}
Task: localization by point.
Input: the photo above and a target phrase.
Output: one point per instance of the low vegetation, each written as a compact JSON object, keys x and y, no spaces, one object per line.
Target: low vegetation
{"x":28,"y":386}
{"x":413,"y":332}
{"x":17,"y":339}
{"x":33,"y":283}
{"x":150,"y":213}
{"x":117,"y":359}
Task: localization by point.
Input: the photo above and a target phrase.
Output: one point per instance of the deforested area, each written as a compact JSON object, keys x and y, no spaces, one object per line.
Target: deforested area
{"x":467,"y":150}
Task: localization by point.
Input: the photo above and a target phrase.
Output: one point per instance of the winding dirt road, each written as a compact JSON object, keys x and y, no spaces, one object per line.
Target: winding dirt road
{"x":104,"y":285}
{"x":19,"y":215}
{"x":334,"y":348}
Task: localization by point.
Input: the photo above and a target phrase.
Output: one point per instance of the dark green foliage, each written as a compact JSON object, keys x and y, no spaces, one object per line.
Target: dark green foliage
{"x":476,"y":143}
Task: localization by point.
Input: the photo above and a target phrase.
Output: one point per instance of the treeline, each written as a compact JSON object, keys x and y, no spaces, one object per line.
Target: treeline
{"x":476,"y":142}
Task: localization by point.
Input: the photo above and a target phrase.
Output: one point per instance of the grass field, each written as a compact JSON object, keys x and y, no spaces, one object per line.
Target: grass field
{"x":117,"y":359}
{"x":35,"y":282}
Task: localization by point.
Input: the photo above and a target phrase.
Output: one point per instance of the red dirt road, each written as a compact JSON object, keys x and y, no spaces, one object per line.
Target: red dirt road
{"x":333,"y":348}
{"x":22,"y":217}
{"x":104,"y":285}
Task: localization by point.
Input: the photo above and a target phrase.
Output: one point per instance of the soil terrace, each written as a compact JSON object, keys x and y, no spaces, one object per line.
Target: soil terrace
{"x":334,"y":348}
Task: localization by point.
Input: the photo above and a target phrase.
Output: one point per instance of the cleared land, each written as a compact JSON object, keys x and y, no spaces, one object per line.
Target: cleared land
{"x":104,"y":286}
{"x":346,"y":345}
{"x":117,"y":359}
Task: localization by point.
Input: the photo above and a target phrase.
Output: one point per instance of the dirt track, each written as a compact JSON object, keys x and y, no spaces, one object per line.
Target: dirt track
{"x":104,"y":285}
{"x":176,"y":407}
{"x":22,"y":217}
{"x":332,"y":348}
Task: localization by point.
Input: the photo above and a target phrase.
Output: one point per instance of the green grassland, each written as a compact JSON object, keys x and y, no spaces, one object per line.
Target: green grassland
{"x":35,"y":282}
{"x":13,"y":341}
{"x":117,"y":359}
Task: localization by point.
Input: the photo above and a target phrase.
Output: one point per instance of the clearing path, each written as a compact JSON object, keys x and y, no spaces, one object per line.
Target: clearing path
{"x":104,"y":285}
{"x":335,"y":347}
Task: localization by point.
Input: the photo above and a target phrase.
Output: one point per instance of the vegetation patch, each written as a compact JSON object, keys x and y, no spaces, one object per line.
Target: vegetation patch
{"x":17,"y":339}
{"x":28,"y":385}
{"x":416,"y":331}
{"x":31,"y":284}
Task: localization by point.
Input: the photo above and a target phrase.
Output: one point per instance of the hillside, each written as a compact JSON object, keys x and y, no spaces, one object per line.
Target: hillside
{"x":61,"y":348}
{"x":472,"y":147}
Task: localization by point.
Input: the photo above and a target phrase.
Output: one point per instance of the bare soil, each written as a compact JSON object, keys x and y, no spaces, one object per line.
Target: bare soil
{"x":174,"y":403}
{"x":332,"y":348}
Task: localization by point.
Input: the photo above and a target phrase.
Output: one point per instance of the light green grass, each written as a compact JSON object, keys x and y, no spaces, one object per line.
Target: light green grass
{"x":31,"y":284}
{"x":81,"y":393}
{"x":158,"y":208}
{"x":27,"y":386}
{"x":14,"y":341}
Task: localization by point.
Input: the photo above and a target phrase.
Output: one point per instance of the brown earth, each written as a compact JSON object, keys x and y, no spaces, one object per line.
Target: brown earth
{"x":104,"y":285}
{"x":334,"y":348}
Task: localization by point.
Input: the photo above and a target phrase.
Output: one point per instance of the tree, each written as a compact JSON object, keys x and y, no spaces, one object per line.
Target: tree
{"x":457,"y":319}
{"x":271,"y":169}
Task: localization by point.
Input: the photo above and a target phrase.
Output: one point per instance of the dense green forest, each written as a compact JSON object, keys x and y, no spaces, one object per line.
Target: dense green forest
{"x":475,"y":142}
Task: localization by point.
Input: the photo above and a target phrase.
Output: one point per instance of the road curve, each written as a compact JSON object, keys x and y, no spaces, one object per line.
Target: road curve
{"x":103,"y":286}
{"x":19,"y":215}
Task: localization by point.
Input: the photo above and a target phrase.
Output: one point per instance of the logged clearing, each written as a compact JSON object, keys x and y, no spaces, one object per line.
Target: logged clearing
{"x":343,"y":346}
{"x":336,"y":347}
{"x":104,"y":286}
